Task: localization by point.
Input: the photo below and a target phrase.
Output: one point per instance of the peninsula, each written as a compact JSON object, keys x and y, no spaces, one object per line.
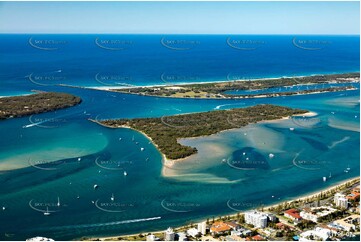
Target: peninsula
{"x":19,"y":106}
{"x":166,"y":130}
{"x":218,"y":90}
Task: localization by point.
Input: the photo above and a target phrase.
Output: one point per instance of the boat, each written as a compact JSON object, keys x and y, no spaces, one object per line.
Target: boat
{"x":47,"y":213}
{"x":141,"y":149}
{"x":120,"y":139}
{"x":112,"y":197}
{"x":79,"y":159}
{"x":329,"y":175}
{"x":58,"y":204}
{"x":348,"y":167}
{"x":125,"y":173}
{"x":4,"y":208}
{"x":244,"y":153}
{"x":292,"y":129}
{"x":96,"y":186}
{"x":147,"y":159}
{"x":271,"y":155}
{"x":324,"y":178}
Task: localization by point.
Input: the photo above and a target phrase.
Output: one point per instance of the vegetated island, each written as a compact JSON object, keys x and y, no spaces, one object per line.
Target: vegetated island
{"x":165,"y":131}
{"x":217,"y":89}
{"x":19,"y":106}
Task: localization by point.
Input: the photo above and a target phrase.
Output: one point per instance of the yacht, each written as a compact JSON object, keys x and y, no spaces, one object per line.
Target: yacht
{"x":125,"y":173}
{"x":58,"y":204}
{"x":112,"y":197}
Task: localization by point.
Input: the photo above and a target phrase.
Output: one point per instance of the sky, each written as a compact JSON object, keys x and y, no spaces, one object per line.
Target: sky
{"x":339,"y":18}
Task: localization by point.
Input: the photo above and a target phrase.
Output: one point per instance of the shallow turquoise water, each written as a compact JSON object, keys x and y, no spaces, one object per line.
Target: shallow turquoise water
{"x":62,"y":155}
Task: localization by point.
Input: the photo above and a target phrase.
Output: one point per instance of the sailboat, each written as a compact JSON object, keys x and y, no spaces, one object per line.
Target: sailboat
{"x":112,"y":197}
{"x":58,"y":204}
{"x":329,"y":175}
{"x":47,"y":213}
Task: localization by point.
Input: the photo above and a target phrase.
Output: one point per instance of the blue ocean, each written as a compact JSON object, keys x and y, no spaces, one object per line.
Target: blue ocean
{"x":97,"y":181}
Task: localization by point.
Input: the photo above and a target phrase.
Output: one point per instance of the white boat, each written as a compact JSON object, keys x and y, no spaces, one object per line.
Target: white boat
{"x":271,"y":155}
{"x":47,"y":213}
{"x":348,"y":168}
{"x":120,"y":139}
{"x":141,"y":149}
{"x":125,"y":173}
{"x":244,"y":153}
{"x":58,"y":204}
{"x":329,"y":175}
{"x":292,"y":129}
{"x":96,"y":186}
{"x":4,"y":208}
{"x":79,"y":159}
{"x":112,"y":197}
{"x":324,"y":179}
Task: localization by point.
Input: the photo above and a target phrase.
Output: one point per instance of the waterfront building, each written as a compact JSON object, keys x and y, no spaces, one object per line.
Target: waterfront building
{"x":220,"y":227}
{"x":152,"y":237}
{"x":320,"y":234}
{"x":169,"y":235}
{"x":192,"y":232}
{"x":257,"y":219}
{"x":293,"y":214}
{"x":202,"y":227}
{"x":348,"y":223}
{"x":182,"y":236}
{"x":340,"y":200}
{"x":314,"y":214}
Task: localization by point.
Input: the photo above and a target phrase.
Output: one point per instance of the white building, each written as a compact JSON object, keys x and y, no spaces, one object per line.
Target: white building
{"x":182,"y":236}
{"x":152,"y":237}
{"x":340,"y":200}
{"x":320,"y":234}
{"x":257,"y":219}
{"x":314,"y":214}
{"x":202,"y":228}
{"x":169,"y":235}
{"x":192,"y":232}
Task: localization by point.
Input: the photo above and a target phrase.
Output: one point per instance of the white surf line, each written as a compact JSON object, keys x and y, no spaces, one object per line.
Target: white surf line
{"x":104,"y":224}
{"x":338,"y":142}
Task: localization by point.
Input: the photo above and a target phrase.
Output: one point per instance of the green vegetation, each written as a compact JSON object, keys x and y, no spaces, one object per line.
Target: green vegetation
{"x":20,"y":106}
{"x":216,"y":90}
{"x":165,"y":131}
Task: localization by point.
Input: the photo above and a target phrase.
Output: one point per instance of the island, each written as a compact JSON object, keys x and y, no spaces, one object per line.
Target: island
{"x":165,"y":131}
{"x":218,"y":90}
{"x":19,"y":106}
